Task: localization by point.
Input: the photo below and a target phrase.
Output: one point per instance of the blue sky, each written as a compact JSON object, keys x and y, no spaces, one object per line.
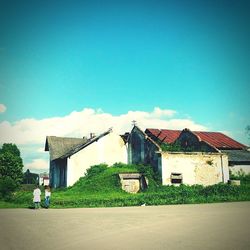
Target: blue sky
{"x":192,"y":57}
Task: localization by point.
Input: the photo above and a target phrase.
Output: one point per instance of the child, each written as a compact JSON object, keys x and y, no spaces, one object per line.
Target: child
{"x":47,"y":196}
{"x":37,"y":197}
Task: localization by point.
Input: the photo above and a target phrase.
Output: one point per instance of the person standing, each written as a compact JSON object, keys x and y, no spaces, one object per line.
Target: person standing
{"x":47,"y":196}
{"x":37,"y":197}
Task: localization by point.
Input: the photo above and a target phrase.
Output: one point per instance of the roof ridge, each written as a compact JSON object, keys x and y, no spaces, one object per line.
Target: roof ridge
{"x":215,"y":139}
{"x":147,"y":137}
{"x":79,"y":147}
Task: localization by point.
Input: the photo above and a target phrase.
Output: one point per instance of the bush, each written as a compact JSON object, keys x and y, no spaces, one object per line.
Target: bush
{"x":96,"y":169}
{"x":7,"y":187}
{"x":240,"y":175}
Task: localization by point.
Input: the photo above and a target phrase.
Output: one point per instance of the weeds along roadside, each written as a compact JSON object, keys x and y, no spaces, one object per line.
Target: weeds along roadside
{"x":101,"y":188}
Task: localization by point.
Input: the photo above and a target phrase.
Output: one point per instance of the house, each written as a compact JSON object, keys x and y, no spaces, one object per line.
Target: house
{"x":196,"y":161}
{"x":71,"y":157}
{"x":239,"y":160}
{"x":238,"y":154}
{"x":30,"y":178}
{"x":44,"y":179}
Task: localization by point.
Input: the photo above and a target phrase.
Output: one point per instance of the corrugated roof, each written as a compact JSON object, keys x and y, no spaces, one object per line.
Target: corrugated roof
{"x":220,"y":140}
{"x":237,"y":155}
{"x":165,"y":135}
{"x":216,"y":139}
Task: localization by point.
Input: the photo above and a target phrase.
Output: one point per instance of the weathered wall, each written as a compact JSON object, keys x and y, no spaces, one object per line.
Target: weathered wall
{"x":196,"y":168}
{"x":108,"y":149}
{"x":236,"y":168}
{"x":58,"y":173}
{"x":141,"y":150}
{"x":151,"y":156}
{"x":136,"y":147}
{"x":133,"y":182}
{"x":131,"y":185}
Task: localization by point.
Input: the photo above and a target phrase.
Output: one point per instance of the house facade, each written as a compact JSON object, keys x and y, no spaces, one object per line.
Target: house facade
{"x":196,"y":162}
{"x":108,"y":149}
{"x":71,"y":157}
{"x":44,"y":179}
{"x":188,"y":157}
{"x":194,"y":168}
{"x":239,"y":160}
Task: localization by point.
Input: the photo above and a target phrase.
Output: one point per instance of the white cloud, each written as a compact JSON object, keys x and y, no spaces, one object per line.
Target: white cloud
{"x":30,"y":134}
{"x":37,"y":164}
{"x":2,"y":108}
{"x":40,"y":150}
{"x":163,"y":112}
{"x":78,"y":124}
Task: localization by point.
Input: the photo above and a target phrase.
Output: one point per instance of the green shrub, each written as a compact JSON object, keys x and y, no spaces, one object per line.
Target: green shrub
{"x":173,"y":147}
{"x":95,"y":170}
{"x":27,"y":187}
{"x":7,"y":187}
{"x":240,"y":175}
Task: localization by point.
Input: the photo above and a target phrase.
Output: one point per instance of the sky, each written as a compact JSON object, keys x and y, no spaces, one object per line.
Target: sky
{"x":68,"y":68}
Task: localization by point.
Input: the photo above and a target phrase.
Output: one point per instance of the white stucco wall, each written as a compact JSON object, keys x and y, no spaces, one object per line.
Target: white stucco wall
{"x":236,"y":168}
{"x":196,"y":168}
{"x":108,"y":149}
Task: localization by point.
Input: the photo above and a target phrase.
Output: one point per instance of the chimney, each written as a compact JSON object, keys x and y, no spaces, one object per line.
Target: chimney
{"x":92,"y":135}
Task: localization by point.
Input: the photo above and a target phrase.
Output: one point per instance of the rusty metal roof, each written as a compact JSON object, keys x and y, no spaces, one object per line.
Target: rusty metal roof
{"x":216,"y":139}
{"x":220,"y":140}
{"x":165,"y":135}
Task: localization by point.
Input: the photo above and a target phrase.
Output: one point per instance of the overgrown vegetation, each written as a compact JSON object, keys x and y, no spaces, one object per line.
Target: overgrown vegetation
{"x":240,"y":175}
{"x":101,"y":188}
{"x":103,"y":179}
{"x":176,"y":147}
{"x":11,"y":166}
{"x":173,"y":147}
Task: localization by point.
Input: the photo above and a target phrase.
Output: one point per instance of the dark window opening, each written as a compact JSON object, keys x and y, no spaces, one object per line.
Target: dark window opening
{"x":176,"y":178}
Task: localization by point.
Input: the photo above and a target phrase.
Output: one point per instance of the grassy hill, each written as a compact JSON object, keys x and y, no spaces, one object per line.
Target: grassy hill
{"x":101,"y":187}
{"x":104,"y":179}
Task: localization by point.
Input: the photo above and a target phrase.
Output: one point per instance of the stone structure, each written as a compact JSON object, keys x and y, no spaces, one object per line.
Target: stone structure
{"x":133,"y":182}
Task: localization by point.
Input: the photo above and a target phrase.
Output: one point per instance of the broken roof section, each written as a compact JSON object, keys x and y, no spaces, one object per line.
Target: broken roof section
{"x":63,"y":147}
{"x":164,"y":135}
{"x":215,"y":139}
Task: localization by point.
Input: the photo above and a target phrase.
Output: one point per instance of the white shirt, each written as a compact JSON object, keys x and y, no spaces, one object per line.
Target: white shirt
{"x":47,"y":193}
{"x":37,"y":194}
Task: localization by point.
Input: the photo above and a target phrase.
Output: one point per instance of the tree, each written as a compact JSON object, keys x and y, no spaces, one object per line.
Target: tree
{"x":11,"y":169}
{"x":10,"y":148}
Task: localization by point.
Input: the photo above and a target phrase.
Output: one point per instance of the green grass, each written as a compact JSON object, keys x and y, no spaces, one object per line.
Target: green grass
{"x":6,"y":204}
{"x":101,"y":188}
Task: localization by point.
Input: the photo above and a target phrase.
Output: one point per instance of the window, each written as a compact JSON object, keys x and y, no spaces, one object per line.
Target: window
{"x":176,"y":178}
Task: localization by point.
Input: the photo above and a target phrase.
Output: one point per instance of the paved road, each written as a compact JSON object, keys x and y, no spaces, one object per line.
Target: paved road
{"x":205,"y":226}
